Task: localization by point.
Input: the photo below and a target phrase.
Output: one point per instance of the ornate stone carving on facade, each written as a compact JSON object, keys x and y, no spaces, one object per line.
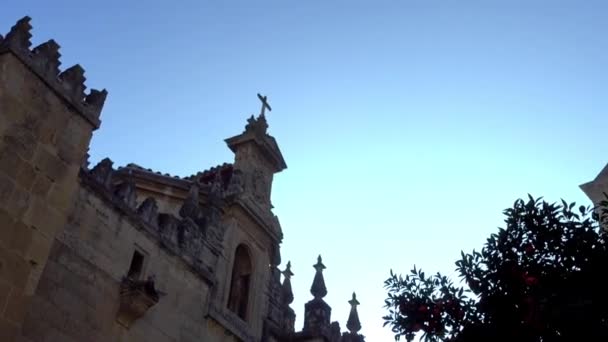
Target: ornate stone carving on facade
{"x":148,"y":211}
{"x":190,"y":238}
{"x":235,"y":186}
{"x":126,"y":192}
{"x":191,"y":207}
{"x":102,"y":173}
{"x":257,"y":126}
{"x":167,"y":230}
{"x":212,"y":215}
{"x":43,"y":60}
{"x":260,"y":187}
{"x":136,"y":298}
{"x":216,"y":190}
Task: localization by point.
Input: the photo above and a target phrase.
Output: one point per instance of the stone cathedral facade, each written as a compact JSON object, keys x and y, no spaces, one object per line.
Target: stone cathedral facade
{"x":105,"y":253}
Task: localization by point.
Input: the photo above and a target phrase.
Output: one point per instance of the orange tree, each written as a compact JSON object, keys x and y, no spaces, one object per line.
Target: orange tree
{"x":538,"y":279}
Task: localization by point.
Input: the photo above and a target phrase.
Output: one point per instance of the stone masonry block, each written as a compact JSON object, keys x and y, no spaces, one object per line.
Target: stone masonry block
{"x":16,"y":307}
{"x":8,"y":330}
{"x":6,"y":228}
{"x":39,"y":248}
{"x":42,"y":185}
{"x":42,"y":217}
{"x":10,"y":162}
{"x":61,"y":196}
{"x":50,"y":164}
{"x":6,"y":188}
{"x":13,"y":268}
{"x":21,"y":238}
{"x":33,"y":278}
{"x":26,"y":176}
{"x":18,"y":202}
{"x":77,"y":328}
{"x":47,"y":130}
{"x":5,"y":290}
{"x":23,"y":142}
{"x":74,"y":139}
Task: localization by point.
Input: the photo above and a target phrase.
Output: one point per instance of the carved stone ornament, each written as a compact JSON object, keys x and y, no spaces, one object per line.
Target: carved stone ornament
{"x":136,"y":298}
{"x":260,"y":186}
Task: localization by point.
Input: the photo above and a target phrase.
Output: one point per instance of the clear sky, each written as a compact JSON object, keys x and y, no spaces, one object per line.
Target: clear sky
{"x":407,"y":126}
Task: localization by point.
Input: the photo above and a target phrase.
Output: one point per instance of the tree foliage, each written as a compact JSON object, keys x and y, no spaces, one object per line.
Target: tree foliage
{"x":538,"y":279}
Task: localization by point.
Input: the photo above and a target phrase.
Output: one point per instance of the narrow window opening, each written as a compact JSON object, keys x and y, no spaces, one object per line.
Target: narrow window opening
{"x":238,"y":298}
{"x":137,"y":265}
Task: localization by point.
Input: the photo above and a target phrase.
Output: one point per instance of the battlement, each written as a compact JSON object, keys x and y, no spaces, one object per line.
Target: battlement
{"x":195,"y":236}
{"x":43,"y":60}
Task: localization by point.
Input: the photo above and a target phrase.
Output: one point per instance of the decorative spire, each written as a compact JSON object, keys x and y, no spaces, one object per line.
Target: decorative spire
{"x":318,"y":289}
{"x":287,"y":291}
{"x":317,"y":314}
{"x":353,"y":324}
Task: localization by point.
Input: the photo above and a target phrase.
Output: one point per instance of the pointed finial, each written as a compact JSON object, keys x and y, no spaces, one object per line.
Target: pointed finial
{"x":286,"y":288}
{"x":318,"y":289}
{"x":18,"y":39}
{"x":353,"y":324}
{"x":288,"y":273}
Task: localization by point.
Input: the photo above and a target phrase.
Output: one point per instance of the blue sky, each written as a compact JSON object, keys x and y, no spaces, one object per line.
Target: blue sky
{"x":407,"y":126}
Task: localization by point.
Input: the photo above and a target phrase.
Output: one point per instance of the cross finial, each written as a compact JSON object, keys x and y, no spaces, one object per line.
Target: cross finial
{"x":265,"y":104}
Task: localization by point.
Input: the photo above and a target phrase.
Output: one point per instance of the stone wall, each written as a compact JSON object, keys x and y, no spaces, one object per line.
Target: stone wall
{"x":78,"y":296}
{"x":45,"y":131}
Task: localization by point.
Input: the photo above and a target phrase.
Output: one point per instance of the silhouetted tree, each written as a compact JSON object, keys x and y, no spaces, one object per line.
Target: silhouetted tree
{"x":538,"y":279}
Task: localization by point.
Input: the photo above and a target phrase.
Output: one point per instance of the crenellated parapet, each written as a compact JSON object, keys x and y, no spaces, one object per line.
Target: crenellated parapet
{"x":44,"y":61}
{"x":196,"y":235}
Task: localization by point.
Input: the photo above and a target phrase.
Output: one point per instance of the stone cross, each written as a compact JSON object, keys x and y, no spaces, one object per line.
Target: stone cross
{"x":265,"y":104}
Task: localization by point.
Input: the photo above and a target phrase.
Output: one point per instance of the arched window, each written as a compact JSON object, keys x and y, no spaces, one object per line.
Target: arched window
{"x":241,"y":282}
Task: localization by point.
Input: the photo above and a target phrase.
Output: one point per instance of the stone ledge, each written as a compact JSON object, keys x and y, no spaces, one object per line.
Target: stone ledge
{"x":231,"y":323}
